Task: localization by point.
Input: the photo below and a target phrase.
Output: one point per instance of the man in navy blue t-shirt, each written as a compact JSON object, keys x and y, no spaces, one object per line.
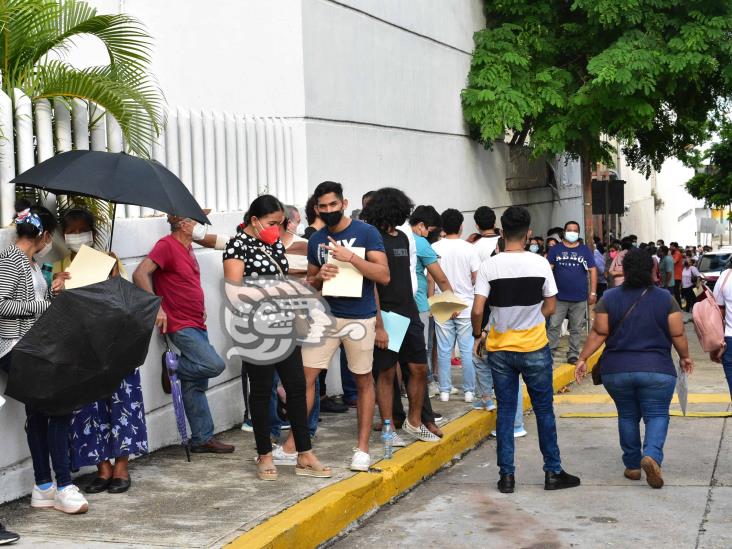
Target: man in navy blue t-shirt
{"x":336,"y":240}
{"x":571,"y":262}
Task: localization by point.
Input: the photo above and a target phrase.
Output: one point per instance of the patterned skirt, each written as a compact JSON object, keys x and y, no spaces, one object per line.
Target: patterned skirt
{"x":110,"y":428}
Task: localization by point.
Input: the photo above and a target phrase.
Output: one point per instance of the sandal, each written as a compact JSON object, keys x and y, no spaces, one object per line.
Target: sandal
{"x":317,"y":471}
{"x":266,"y":472}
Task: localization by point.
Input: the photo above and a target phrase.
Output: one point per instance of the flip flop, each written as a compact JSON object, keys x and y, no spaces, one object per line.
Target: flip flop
{"x":310,"y":471}
{"x":266,"y":472}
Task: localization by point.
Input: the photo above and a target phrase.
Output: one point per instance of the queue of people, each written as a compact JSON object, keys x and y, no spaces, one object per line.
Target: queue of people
{"x":518,"y":289}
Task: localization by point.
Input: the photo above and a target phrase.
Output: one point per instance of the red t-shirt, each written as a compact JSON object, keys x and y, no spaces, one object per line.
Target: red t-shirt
{"x":177,"y":281}
{"x":678,"y":264}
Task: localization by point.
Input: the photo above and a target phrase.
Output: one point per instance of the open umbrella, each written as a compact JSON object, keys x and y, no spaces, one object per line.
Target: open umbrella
{"x":83,"y":346}
{"x":171,"y":366}
{"x":115,"y":177}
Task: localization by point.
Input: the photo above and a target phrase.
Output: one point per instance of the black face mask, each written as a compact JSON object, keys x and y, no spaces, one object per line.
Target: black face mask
{"x":331,"y":219}
{"x":433,"y":236}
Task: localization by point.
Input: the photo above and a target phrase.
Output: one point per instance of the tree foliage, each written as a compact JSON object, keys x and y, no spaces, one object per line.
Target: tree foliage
{"x":714,"y":183}
{"x":573,"y":75}
{"x":37,"y":35}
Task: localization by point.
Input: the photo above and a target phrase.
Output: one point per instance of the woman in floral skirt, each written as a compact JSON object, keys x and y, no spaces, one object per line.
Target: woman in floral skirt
{"x":108,"y":430}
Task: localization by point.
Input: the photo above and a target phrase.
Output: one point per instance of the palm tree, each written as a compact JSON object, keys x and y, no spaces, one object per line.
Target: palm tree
{"x":36,"y":35}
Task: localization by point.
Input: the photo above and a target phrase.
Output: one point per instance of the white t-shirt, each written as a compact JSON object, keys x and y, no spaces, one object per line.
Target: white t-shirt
{"x":458,"y":260}
{"x":485,"y":246}
{"x":723,"y":295}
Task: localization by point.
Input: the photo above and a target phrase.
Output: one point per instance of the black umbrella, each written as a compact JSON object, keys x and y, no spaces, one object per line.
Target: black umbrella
{"x":83,"y":346}
{"x":115,"y":177}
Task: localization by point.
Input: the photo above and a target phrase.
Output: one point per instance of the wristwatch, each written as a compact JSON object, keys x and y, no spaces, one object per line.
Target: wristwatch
{"x":593,"y":293}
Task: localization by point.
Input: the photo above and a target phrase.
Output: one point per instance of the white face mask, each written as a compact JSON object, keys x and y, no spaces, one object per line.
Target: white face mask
{"x":300,"y":229}
{"x":75,"y":241}
{"x":43,"y":252}
{"x":571,"y":236}
{"x":199,"y":231}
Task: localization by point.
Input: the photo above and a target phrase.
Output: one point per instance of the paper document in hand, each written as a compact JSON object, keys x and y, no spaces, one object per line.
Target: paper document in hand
{"x":682,"y":388}
{"x":349,"y":280}
{"x":2,"y":402}
{"x":396,"y":327}
{"x":444,"y":305}
{"x":89,"y":267}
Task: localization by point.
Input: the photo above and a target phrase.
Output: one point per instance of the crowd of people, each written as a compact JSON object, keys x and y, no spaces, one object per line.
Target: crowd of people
{"x":518,"y":290}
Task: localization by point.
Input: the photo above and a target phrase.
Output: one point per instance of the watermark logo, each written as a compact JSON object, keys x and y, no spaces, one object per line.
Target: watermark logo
{"x":268,"y":316}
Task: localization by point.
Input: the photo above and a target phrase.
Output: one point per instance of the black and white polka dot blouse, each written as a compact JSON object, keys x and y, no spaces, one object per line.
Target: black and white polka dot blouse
{"x":252,"y":252}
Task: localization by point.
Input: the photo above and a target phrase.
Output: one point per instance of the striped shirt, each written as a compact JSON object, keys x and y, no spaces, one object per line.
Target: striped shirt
{"x":516,"y":284}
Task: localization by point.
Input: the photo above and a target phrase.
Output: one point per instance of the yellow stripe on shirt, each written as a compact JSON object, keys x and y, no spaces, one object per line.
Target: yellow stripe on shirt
{"x":520,"y":341}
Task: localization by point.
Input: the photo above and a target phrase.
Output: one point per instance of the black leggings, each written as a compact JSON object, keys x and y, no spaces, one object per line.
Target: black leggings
{"x":261,"y":378}
{"x":690,"y":298}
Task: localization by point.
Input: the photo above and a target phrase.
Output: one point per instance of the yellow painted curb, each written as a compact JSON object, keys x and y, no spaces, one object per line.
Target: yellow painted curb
{"x":329,"y":511}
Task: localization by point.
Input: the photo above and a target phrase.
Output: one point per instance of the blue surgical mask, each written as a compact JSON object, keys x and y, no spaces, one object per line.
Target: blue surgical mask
{"x":534,"y":248}
{"x":571,"y":236}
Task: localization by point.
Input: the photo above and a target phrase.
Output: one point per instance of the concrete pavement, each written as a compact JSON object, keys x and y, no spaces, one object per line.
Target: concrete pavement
{"x":462,"y":506}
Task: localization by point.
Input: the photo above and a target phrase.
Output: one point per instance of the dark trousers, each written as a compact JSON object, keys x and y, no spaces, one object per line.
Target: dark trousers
{"x":677,"y":291}
{"x":689,"y":297}
{"x":48,"y":437}
{"x":261,"y":378}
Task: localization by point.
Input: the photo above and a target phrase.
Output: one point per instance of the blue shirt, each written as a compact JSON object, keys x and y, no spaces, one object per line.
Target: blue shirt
{"x":570,"y":270}
{"x":357,"y":235}
{"x":643,"y":342}
{"x":425,"y":256}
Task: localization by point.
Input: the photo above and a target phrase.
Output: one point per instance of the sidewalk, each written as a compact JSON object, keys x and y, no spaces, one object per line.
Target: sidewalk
{"x":693,"y":510}
{"x":216,"y":498}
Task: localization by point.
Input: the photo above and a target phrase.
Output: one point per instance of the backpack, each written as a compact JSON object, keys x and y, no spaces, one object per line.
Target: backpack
{"x":709,"y":322}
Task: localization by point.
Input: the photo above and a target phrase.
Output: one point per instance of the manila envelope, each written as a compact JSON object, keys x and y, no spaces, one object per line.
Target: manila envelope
{"x":444,"y":305}
{"x":349,"y":280}
{"x":89,"y":267}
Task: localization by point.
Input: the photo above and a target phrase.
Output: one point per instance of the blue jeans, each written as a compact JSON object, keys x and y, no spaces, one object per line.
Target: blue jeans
{"x":639,"y":395}
{"x":198,"y":362}
{"x":484,"y":388}
{"x":727,"y":362}
{"x":275,"y":423}
{"x":460,"y":331}
{"x":536,"y":369}
{"x":48,"y":437}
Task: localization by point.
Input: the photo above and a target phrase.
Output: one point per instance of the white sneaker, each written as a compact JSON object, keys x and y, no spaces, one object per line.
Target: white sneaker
{"x":469,"y":396}
{"x":70,"y":500}
{"x":517,"y":433}
{"x":433,"y":389}
{"x":454,"y":390}
{"x":247,"y":426}
{"x":361,"y":460}
{"x":397,"y":441}
{"x":420,"y":433}
{"x":43,"y":499}
{"x":444,"y":397}
{"x":280,"y":457}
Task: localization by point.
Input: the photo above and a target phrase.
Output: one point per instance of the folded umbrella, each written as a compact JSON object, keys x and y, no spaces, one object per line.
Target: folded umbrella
{"x":171,"y":367}
{"x":115,"y":177}
{"x":83,"y":346}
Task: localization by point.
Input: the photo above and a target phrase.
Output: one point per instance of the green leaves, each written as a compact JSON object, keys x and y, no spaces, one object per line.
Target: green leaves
{"x":35,"y":36}
{"x":576,"y":76}
{"x":713,"y":183}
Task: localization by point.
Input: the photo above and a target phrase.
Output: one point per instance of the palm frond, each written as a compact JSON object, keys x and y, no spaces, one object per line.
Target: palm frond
{"x":131,"y":96}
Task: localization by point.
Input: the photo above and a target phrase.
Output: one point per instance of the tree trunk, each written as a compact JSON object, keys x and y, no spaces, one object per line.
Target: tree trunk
{"x":587,"y":199}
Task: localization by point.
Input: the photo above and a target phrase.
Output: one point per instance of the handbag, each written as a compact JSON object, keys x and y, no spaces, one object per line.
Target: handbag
{"x":596,"y":373}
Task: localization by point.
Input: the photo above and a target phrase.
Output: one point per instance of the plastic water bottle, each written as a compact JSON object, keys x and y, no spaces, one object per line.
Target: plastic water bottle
{"x":387,"y":435}
{"x":47,"y":270}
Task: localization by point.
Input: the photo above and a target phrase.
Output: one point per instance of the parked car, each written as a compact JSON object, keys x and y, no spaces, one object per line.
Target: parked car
{"x":712,"y":264}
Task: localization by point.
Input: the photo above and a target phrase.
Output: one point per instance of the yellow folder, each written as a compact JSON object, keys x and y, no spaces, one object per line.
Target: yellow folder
{"x":443,"y":305}
{"x":89,"y":267}
{"x":349,"y":280}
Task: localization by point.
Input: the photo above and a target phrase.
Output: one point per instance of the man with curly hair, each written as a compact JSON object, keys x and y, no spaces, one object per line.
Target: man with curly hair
{"x":387,"y":209}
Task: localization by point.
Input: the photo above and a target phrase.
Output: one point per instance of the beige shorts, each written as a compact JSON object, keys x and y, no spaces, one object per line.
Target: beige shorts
{"x":360,"y":353}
